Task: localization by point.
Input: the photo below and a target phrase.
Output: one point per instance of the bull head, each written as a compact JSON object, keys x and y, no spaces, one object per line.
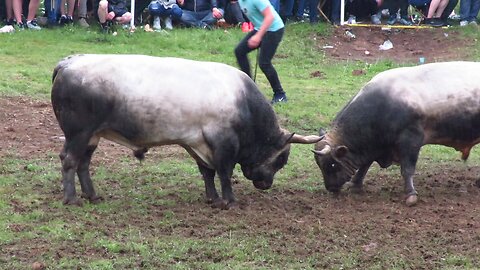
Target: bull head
{"x":331,"y":161}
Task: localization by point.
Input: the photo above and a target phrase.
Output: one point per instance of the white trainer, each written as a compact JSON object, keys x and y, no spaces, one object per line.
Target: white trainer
{"x":168,"y":23}
{"x":156,"y":23}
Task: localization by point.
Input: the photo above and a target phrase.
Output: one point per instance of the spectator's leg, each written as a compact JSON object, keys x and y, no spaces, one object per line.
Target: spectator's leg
{"x":102,"y":11}
{"x":237,"y":12}
{"x":335,"y":16}
{"x":288,"y":10}
{"x":313,"y":4}
{"x":189,"y":19}
{"x":474,"y":10}
{"x":17,"y":10}
{"x":448,"y":10}
{"x":268,"y":47}
{"x":300,"y":10}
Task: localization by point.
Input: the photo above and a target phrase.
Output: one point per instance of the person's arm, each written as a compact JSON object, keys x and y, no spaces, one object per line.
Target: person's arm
{"x":268,"y":18}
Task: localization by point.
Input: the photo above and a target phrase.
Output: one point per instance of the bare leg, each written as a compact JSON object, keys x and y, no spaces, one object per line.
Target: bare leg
{"x":32,"y":9}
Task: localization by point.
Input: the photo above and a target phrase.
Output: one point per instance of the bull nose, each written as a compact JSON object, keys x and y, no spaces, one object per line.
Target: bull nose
{"x":263,"y":185}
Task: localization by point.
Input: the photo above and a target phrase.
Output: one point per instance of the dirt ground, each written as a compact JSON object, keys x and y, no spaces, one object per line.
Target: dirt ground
{"x":446,"y":220}
{"x":409,"y":45}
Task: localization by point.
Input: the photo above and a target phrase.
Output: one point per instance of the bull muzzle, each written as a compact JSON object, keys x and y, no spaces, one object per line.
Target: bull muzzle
{"x":263,"y":185}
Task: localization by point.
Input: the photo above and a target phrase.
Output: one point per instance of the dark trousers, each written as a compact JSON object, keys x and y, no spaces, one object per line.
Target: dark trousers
{"x":268,"y":47}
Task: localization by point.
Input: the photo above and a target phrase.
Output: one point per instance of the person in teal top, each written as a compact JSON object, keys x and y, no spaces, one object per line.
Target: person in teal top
{"x":266,"y":36}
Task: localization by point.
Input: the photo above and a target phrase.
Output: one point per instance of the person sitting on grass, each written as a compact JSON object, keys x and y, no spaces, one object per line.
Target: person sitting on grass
{"x":361,"y":9}
{"x":113,"y":10}
{"x":165,"y":9}
{"x":402,"y":7}
{"x":432,"y":9}
{"x":200,"y":13}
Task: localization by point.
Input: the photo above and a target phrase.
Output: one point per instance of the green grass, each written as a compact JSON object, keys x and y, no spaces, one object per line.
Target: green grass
{"x":146,"y":220}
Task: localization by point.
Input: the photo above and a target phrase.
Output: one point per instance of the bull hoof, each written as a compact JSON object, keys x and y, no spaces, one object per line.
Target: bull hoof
{"x":354,"y":188}
{"x":72,"y":201}
{"x":220,"y":204}
{"x":212,"y":200}
{"x":93,"y":199}
{"x":411,"y":200}
{"x":223,"y":204}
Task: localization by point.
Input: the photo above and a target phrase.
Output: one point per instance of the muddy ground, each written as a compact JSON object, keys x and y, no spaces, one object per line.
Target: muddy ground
{"x":375,"y":224}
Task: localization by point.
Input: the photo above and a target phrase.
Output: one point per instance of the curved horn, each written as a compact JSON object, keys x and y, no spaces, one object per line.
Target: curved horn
{"x":327,"y":149}
{"x":305,"y":139}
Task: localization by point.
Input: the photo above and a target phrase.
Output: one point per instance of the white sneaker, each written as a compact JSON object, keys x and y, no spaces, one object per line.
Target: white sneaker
{"x":463,"y":23}
{"x":352,"y":20}
{"x":168,"y":23}
{"x":473,"y":23}
{"x":156,"y":23}
{"x":33,"y":25}
{"x":375,"y":19}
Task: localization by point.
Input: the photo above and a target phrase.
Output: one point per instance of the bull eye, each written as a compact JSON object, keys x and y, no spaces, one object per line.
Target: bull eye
{"x":333,"y":165}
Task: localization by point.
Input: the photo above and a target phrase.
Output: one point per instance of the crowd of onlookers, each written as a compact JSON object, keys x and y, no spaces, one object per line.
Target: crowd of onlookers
{"x":207,"y":14}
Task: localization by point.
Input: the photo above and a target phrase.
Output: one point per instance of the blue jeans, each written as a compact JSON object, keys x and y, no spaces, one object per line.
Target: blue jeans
{"x":469,"y":10}
{"x":199,"y":18}
{"x":312,"y":6}
{"x":276,"y":5}
{"x":175,"y":12}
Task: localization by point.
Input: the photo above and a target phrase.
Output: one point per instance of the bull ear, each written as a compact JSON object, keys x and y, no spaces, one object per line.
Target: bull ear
{"x":340,"y":151}
{"x":295,"y":138}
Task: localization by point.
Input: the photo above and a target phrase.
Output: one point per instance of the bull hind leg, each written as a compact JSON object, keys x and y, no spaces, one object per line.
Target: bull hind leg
{"x":88,"y":191}
{"x":71,"y":155}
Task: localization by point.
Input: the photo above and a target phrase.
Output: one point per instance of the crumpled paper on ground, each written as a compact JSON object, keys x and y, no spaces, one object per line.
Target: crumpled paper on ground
{"x":387,"y":45}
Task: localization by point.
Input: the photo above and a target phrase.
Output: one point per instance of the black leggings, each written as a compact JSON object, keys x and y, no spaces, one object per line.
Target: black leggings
{"x":268,"y":47}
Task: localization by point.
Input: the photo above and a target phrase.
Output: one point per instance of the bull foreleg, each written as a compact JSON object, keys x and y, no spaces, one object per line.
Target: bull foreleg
{"x":88,"y":191}
{"x":208,"y":176}
{"x":356,"y":184}
{"x":225,"y":176}
{"x":407,"y":165}
{"x":408,"y":148}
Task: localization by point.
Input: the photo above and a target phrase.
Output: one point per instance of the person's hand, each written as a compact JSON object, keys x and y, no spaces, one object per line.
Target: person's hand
{"x":254,"y":41}
{"x":110,"y":16}
{"x":181,"y":2}
{"x":216,"y":13}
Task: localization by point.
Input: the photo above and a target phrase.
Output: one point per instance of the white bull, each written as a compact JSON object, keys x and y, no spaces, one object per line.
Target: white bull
{"x":213,"y":110}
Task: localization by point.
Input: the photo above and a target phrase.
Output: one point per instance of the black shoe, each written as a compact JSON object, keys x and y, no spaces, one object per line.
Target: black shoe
{"x":20,"y":26}
{"x":207,"y":27}
{"x":65,"y":19}
{"x":279,"y":97}
{"x":435,"y":22}
{"x":105,"y":27}
{"x":11,"y":22}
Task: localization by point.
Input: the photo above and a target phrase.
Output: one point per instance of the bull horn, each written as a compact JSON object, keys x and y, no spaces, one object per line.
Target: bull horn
{"x":327,"y":149}
{"x":305,"y":139}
